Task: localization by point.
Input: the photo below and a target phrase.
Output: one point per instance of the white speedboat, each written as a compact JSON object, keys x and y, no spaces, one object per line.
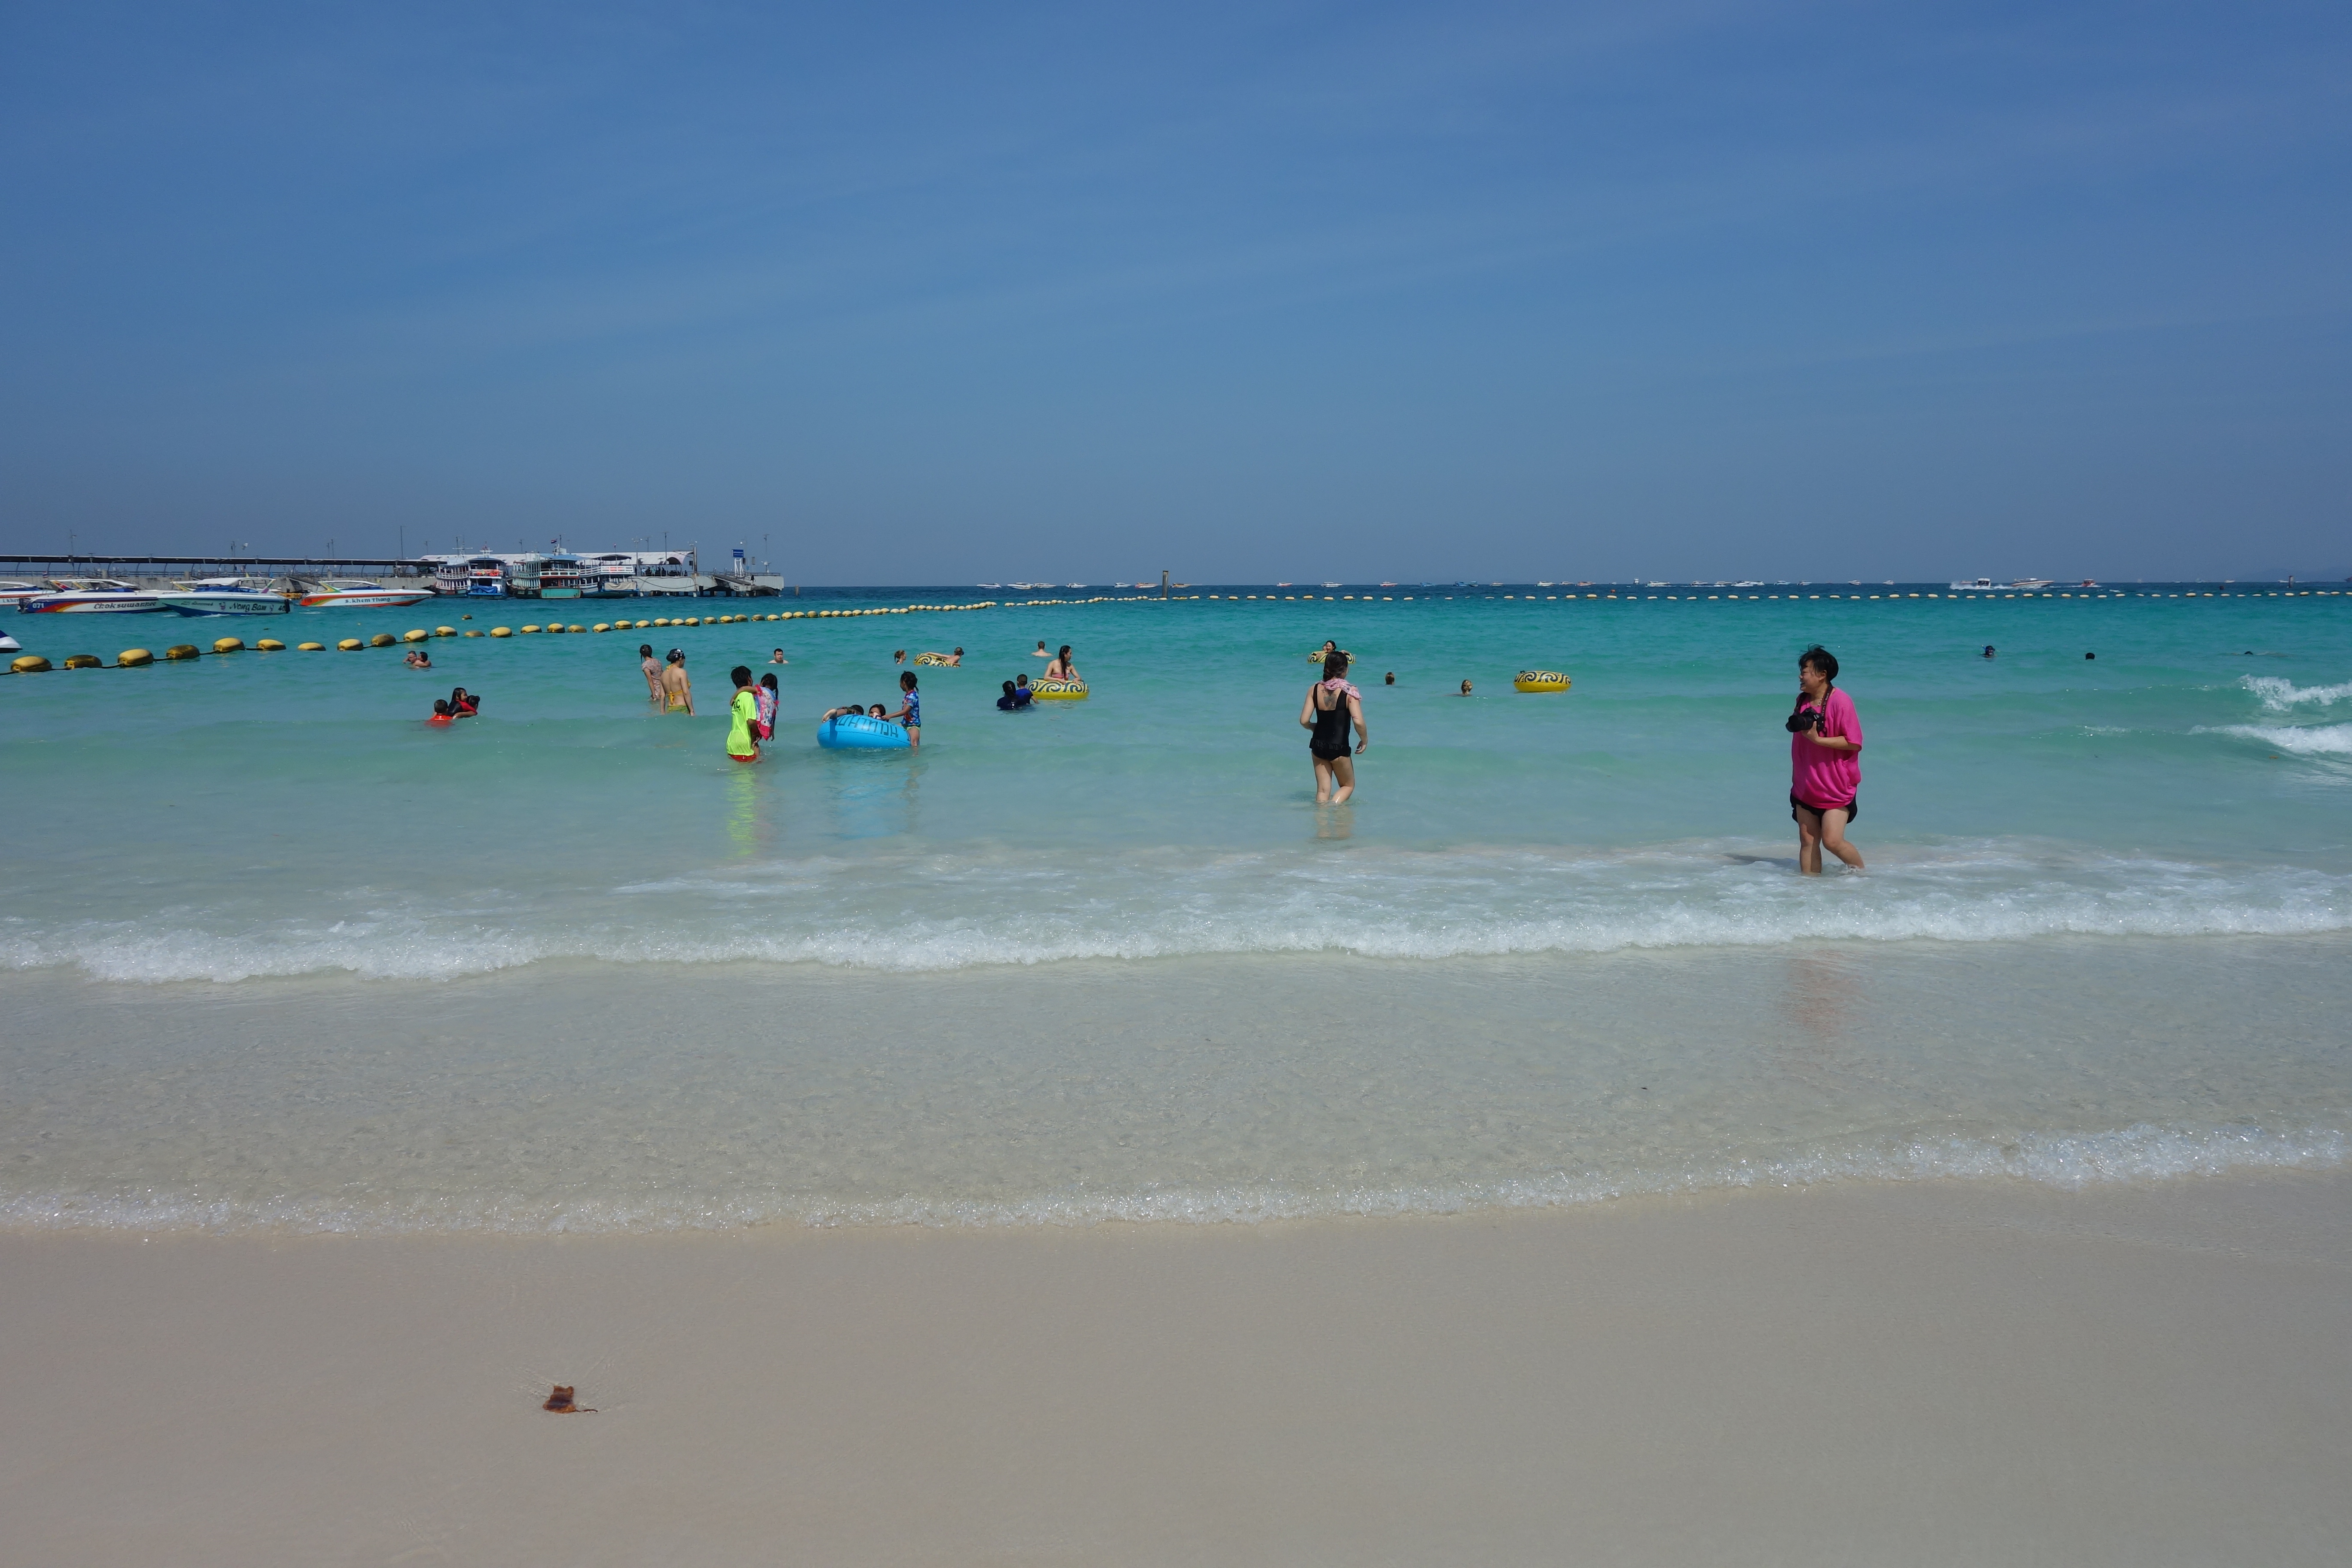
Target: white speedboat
{"x":1981,"y":585}
{"x":14,"y":594}
{"x":225,"y":596}
{"x":9,"y":643}
{"x":2029,"y":582}
{"x":91,"y":596}
{"x":353,"y":594}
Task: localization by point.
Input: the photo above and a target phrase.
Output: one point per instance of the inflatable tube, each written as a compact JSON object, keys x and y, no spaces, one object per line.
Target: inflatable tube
{"x":861,"y":732}
{"x":1540,"y":681}
{"x":1045,"y":691}
{"x":945,"y":659}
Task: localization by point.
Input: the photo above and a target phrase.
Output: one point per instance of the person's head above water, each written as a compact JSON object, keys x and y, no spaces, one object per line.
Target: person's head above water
{"x":875,"y":711}
{"x":1008,"y":689}
{"x":1329,"y":645}
{"x":440,"y":708}
{"x":741,"y":675}
{"x":1389,"y":680}
{"x":1021,"y":679}
{"x":1465,"y":689}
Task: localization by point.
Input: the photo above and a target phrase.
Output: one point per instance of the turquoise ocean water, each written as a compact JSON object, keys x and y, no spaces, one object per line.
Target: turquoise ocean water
{"x":276,"y":952}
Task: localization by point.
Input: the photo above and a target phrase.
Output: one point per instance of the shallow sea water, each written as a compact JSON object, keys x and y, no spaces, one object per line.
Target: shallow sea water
{"x":275,"y":953}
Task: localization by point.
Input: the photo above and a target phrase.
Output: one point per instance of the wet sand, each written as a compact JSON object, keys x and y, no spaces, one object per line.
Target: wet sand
{"x":1939,"y":1372}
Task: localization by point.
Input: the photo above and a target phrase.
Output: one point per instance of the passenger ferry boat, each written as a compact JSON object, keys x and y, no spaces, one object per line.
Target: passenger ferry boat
{"x":486,"y":577}
{"x":611,"y":575}
{"x":355,"y":593}
{"x":225,"y":596}
{"x":561,"y":575}
{"x":91,"y":596}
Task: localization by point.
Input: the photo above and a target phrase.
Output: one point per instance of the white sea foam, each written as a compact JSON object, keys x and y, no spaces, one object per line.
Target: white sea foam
{"x":1386,"y":904}
{"x":2304,"y":740}
{"x":2281,"y":696}
{"x":2073,"y":1161}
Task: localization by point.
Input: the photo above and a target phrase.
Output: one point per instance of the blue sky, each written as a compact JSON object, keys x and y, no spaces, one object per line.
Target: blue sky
{"x":947,"y":294}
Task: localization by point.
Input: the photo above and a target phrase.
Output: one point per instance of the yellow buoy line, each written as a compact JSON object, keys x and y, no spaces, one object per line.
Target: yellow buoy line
{"x":138,"y":657}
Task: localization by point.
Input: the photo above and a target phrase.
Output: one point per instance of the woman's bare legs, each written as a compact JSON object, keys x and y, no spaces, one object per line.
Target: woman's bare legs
{"x":1322,"y":782}
{"x":1819,"y":830}
{"x":1343,"y":773}
{"x":1833,"y":840}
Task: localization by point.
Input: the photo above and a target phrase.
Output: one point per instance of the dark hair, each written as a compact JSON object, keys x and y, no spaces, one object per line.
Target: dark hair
{"x":741,"y":675}
{"x":1022,"y":679}
{"x":875,"y":711}
{"x":906,"y":682}
{"x":644,"y":650}
{"x":959,"y":653}
{"x":1823,"y":659}
{"x":1008,"y":689}
{"x":1335,"y":665}
{"x":769,"y":681}
{"x":456,"y":695}
{"x":441,"y":708}
{"x":676,"y":656}
{"x":1065,"y":650}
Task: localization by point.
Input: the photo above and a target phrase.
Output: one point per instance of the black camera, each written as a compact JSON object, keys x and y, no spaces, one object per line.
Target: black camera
{"x":1802,"y":719}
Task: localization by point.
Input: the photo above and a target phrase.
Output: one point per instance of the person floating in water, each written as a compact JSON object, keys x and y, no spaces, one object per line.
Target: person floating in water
{"x":1389,"y":679}
{"x":440,"y":712}
{"x":463,"y":704}
{"x":1988,"y":651}
{"x":898,"y":657}
{"x":1041,"y":652}
{"x":418,"y":659}
{"x":1332,"y":704}
{"x":911,"y":713}
{"x":1825,"y":763}
{"x":778,"y":657}
{"x":742,"y":714}
{"x":1465,"y":689}
{"x":954,"y":660}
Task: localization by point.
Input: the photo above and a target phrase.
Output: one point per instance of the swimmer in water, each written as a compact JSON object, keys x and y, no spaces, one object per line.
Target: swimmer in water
{"x":778,"y":657}
{"x":418,"y":659}
{"x":1389,"y":680}
{"x":1332,"y":704}
{"x":440,"y":712}
{"x":898,"y":657}
{"x":1988,"y":651}
{"x":742,"y":714}
{"x":1465,"y":689}
{"x":1041,"y":652}
{"x":911,"y":711}
{"x":463,"y":704}
{"x":955,"y":659}
{"x":1061,"y":668}
{"x":678,"y":689}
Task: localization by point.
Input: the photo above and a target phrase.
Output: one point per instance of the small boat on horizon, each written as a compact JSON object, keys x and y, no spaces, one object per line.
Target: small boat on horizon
{"x":225,"y":596}
{"x":359,"y":594}
{"x":91,"y":596}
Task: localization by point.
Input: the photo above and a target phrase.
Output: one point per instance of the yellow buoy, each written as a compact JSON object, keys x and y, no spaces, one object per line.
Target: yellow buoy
{"x":502,"y":631}
{"x":351,"y":645}
{"x":382,"y":639}
{"x":183,"y":650}
{"x":417,"y":634}
{"x":84,"y":662}
{"x":469,"y":631}
{"x":604,"y":626}
{"x":270,"y":645}
{"x":445,"y":631}
{"x":661,"y":620}
{"x":1540,"y":681}
{"x":299,"y":647}
{"x":1058,"y":690}
{"x":694,"y":620}
{"x":551,"y":626}
{"x":27,"y":664}
{"x":228,"y":645}
{"x":532,"y":628}
{"x":575,"y":628}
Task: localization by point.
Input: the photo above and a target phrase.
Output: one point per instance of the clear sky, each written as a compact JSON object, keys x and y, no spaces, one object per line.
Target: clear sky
{"x":939,"y":293}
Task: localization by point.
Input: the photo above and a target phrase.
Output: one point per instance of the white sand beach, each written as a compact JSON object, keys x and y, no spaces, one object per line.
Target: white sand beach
{"x":1935,"y":1373}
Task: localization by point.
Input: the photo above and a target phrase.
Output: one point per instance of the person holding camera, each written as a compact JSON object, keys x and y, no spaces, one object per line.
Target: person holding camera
{"x":1824,"y":763}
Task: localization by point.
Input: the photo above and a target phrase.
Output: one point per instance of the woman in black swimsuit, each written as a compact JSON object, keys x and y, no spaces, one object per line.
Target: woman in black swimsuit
{"x":1332,"y":706}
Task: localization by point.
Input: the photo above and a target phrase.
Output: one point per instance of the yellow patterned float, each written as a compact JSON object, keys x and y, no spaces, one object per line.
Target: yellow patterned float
{"x":1540,"y":681}
{"x":1058,"y":690}
{"x":948,"y":659}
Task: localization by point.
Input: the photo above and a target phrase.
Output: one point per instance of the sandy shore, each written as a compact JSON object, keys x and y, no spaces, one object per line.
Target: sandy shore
{"x":1932,"y":1373}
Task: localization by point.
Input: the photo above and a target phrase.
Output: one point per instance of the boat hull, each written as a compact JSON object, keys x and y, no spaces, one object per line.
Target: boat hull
{"x":226,"y":604}
{"x":384,"y":601}
{"x":91,"y":605}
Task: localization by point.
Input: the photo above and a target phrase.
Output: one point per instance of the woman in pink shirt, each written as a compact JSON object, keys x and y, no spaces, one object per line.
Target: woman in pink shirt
{"x":1825,"y":763}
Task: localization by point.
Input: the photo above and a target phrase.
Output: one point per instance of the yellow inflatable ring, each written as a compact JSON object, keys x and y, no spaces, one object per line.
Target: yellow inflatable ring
{"x":1058,"y":690}
{"x":944,"y":658}
{"x":1540,"y":681}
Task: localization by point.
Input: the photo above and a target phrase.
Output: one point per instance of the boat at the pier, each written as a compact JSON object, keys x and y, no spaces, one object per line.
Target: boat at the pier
{"x":352,"y":593}
{"x":225,"y":596}
{"x":91,"y":596}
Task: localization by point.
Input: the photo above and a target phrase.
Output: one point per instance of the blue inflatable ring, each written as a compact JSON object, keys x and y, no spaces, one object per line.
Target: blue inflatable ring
{"x":859,"y":731}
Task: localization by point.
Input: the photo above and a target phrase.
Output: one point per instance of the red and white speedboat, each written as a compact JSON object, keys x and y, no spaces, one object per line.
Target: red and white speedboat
{"x":364,"y":595}
{"x":91,"y":596}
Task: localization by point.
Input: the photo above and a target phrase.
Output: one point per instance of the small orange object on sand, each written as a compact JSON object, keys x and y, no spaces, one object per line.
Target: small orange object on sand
{"x":560,"y":1402}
